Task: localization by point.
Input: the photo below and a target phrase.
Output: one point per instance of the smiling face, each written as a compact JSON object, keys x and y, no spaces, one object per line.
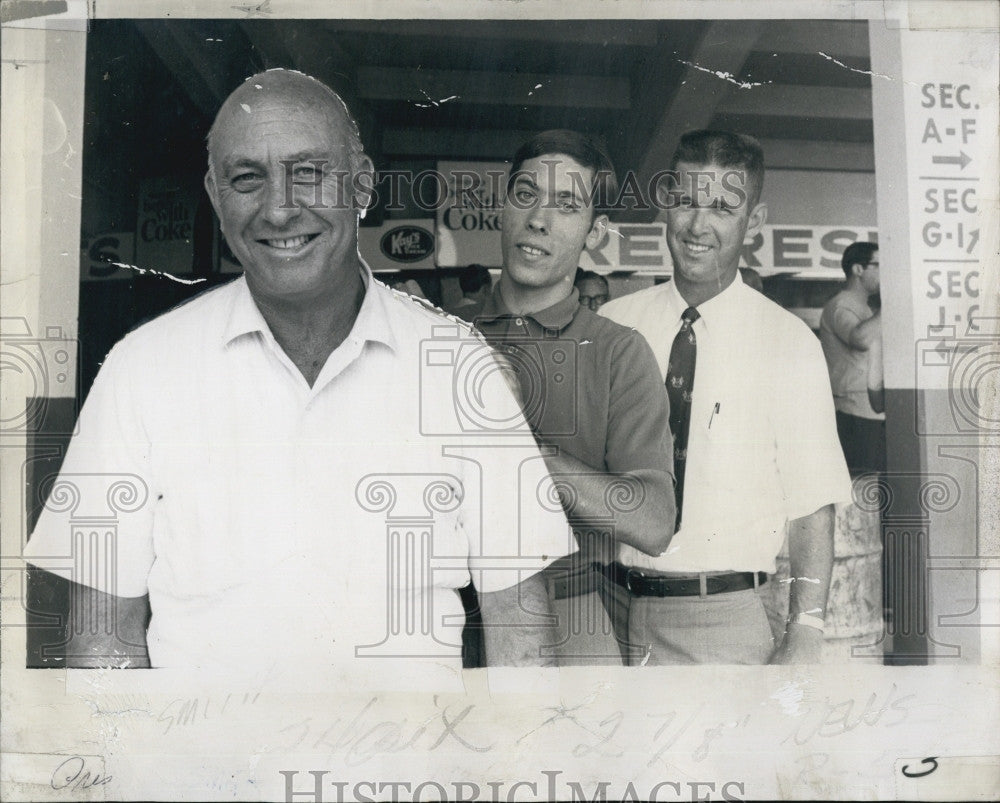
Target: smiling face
{"x":274,"y":140}
{"x":547,"y":223}
{"x":706,"y":227}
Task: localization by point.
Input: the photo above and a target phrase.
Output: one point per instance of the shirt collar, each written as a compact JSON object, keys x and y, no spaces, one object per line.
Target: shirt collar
{"x":557,"y":317}
{"x":716,"y":310}
{"x":373,"y":321}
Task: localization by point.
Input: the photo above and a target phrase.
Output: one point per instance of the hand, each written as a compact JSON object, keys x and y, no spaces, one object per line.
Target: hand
{"x":509,"y":374}
{"x":802,"y":645}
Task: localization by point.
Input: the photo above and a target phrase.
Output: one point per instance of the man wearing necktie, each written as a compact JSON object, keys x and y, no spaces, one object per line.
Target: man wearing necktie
{"x":756,"y":454}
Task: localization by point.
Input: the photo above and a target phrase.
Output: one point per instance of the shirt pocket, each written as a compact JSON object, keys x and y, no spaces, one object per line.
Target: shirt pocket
{"x":720,"y":419}
{"x":729,"y":436}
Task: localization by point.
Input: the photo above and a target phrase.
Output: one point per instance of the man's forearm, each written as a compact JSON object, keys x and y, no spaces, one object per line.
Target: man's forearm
{"x":518,"y":624}
{"x":876,"y":380}
{"x":810,"y":552}
{"x":865,"y":332}
{"x":641,"y":503}
{"x":106,"y":631}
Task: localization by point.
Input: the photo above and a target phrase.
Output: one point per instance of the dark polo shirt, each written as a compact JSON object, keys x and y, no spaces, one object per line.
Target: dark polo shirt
{"x":588,"y":385}
{"x":592,"y":388}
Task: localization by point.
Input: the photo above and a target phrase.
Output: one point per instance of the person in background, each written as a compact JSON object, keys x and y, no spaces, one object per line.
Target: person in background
{"x":589,"y":386}
{"x":755,"y":444}
{"x":876,"y":379}
{"x":592,"y":288}
{"x":409,"y":286}
{"x":246,"y":426}
{"x":476,"y":285}
{"x":849,"y":327}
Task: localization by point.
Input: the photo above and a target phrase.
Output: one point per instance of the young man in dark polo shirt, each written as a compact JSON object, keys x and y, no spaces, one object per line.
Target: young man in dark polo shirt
{"x":590,"y":388}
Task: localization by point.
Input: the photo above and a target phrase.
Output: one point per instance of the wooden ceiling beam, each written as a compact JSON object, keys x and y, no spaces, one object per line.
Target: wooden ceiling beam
{"x":721,"y":51}
{"x":642,"y":33}
{"x":435,"y":87}
{"x":787,"y":100}
{"x":806,"y":154}
{"x":481,"y":144}
{"x":270,"y":45}
{"x":198,"y":75}
{"x":489,"y":144}
{"x":315,"y":52}
{"x":836,"y":38}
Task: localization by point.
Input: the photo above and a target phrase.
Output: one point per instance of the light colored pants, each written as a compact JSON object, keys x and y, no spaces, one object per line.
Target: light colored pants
{"x":727,"y":628}
{"x":585,"y":633}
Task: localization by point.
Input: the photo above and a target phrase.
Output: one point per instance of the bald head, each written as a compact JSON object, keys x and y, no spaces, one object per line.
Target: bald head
{"x":288,"y":181}
{"x":288,"y":89}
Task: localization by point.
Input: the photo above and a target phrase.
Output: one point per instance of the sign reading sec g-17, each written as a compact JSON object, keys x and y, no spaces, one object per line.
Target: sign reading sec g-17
{"x":814,"y":250}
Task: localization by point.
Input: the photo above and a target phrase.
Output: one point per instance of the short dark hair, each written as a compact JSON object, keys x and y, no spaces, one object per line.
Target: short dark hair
{"x":589,"y":275}
{"x":857,"y":254}
{"x":726,"y":149}
{"x":579,"y":147}
{"x":473,"y":278}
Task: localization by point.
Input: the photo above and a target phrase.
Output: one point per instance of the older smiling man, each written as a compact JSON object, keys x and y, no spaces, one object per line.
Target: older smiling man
{"x":270,"y":429}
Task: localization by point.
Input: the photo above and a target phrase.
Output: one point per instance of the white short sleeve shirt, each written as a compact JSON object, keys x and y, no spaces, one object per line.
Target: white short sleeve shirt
{"x":274,"y":523}
{"x":762,"y":447}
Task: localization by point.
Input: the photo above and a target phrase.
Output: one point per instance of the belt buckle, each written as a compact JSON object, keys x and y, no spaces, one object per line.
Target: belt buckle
{"x":629,"y":574}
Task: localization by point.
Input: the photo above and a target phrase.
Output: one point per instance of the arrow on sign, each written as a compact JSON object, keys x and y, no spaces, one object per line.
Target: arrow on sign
{"x":961,"y":160}
{"x":946,"y":350}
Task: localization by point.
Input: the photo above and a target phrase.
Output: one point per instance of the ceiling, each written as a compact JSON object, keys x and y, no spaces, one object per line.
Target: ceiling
{"x":469,"y":89}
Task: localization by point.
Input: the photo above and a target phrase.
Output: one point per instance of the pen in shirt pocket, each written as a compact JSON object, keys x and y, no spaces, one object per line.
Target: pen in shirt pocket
{"x":715,"y":412}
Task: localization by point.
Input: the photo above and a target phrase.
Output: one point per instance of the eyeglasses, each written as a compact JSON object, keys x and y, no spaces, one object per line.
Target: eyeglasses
{"x":594,"y":302}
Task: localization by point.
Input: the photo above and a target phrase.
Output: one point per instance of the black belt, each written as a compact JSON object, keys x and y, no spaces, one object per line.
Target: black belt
{"x":576,"y":581}
{"x":639,"y":584}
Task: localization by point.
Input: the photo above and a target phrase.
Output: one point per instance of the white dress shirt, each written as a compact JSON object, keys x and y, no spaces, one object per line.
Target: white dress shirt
{"x":763,"y":447}
{"x":273,"y":523}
